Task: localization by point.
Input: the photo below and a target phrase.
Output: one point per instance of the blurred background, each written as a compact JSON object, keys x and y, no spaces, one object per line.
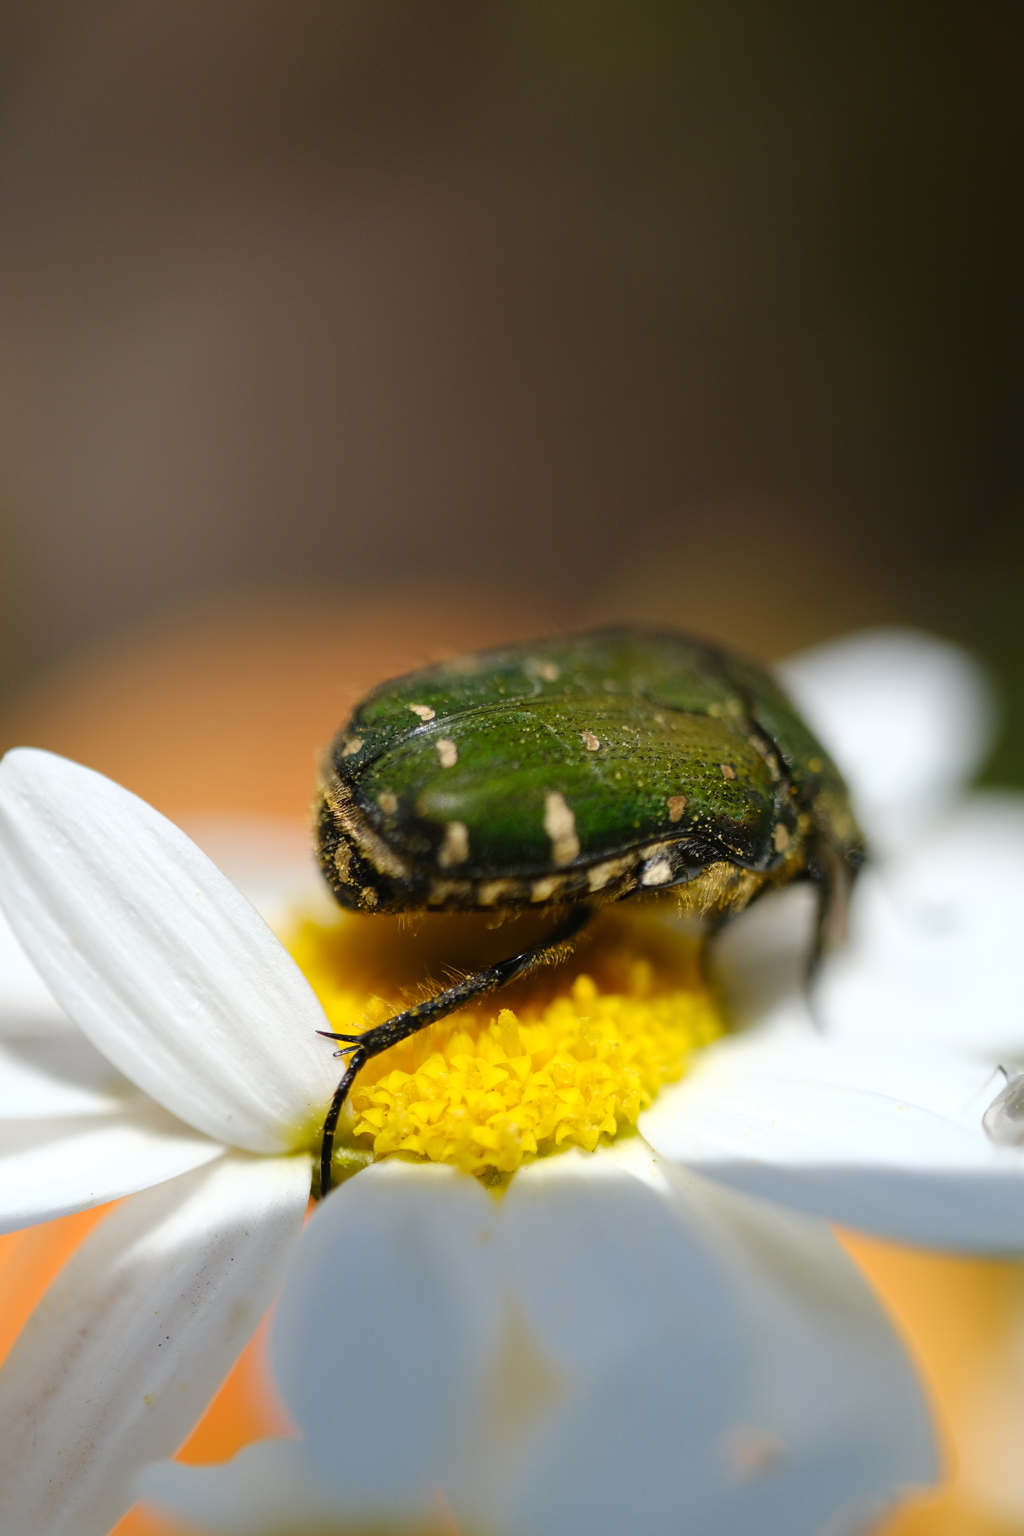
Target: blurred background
{"x":338,"y":334}
{"x":699,"y":310}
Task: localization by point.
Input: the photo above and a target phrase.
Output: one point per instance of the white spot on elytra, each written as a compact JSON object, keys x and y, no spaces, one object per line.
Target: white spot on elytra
{"x":455,"y":847}
{"x":658,"y":873}
{"x":560,"y":826}
{"x":781,"y":838}
{"x":388,"y":802}
{"x":423,"y":710}
{"x":447,"y":752}
{"x":676,"y":806}
{"x":598,"y":877}
{"x":728,"y":771}
{"x":590,"y":741}
{"x":354,"y":744}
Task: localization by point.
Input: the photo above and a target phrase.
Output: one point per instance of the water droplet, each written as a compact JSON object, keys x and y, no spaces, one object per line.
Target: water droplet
{"x":1004,"y":1118}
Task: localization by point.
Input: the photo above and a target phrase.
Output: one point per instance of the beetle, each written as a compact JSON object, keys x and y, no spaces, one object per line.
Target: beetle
{"x":566,"y":773}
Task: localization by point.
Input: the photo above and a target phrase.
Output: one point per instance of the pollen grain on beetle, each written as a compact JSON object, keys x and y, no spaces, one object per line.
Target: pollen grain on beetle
{"x":574,"y":1057}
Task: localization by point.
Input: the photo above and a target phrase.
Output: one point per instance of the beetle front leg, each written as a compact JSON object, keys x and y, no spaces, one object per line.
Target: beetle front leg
{"x":331,"y":1121}
{"x":382,"y":1036}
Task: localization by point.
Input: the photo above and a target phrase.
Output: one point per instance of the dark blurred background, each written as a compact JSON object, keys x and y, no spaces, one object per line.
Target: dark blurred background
{"x":706,"y":312}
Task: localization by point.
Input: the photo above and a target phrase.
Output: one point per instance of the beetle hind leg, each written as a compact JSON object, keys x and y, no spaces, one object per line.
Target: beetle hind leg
{"x":832,"y":876}
{"x":362,"y":1048}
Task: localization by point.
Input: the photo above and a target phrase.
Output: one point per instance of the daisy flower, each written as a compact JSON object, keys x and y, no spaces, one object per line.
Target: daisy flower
{"x":195,"y":1085}
{"x":658,"y":1331}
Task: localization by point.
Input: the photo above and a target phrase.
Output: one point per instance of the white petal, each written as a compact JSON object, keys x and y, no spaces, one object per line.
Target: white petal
{"x":27,"y":1006}
{"x":135,"y":1335}
{"x":638,"y":1350}
{"x":269,"y":1487}
{"x":46,"y":1077}
{"x":935,"y":936}
{"x":889,"y":1141}
{"x":271,"y":862}
{"x":391,"y":1304}
{"x":162,"y":963}
{"x":908,"y":719}
{"x":51,"y":1167}
{"x":723,"y":1366}
{"x":665,"y":1357}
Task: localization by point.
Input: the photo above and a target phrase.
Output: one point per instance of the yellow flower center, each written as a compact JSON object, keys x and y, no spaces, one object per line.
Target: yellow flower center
{"x":564,"y":1057}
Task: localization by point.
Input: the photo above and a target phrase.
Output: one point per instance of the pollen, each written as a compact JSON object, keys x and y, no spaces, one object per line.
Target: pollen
{"x":568,"y":1056}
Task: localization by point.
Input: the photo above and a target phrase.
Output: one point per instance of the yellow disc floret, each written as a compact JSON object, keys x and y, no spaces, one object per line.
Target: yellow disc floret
{"x":566,"y":1057}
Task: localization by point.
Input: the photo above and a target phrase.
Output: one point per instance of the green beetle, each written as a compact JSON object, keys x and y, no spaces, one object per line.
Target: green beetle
{"x":565,"y":773}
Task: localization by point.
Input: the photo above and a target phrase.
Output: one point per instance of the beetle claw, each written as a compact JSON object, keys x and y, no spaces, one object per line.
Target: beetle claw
{"x":329,"y":1034}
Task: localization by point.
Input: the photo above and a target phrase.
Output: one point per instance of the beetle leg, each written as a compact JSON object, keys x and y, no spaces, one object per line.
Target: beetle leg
{"x":833,"y":880}
{"x":331,"y":1120}
{"x":545,"y":952}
